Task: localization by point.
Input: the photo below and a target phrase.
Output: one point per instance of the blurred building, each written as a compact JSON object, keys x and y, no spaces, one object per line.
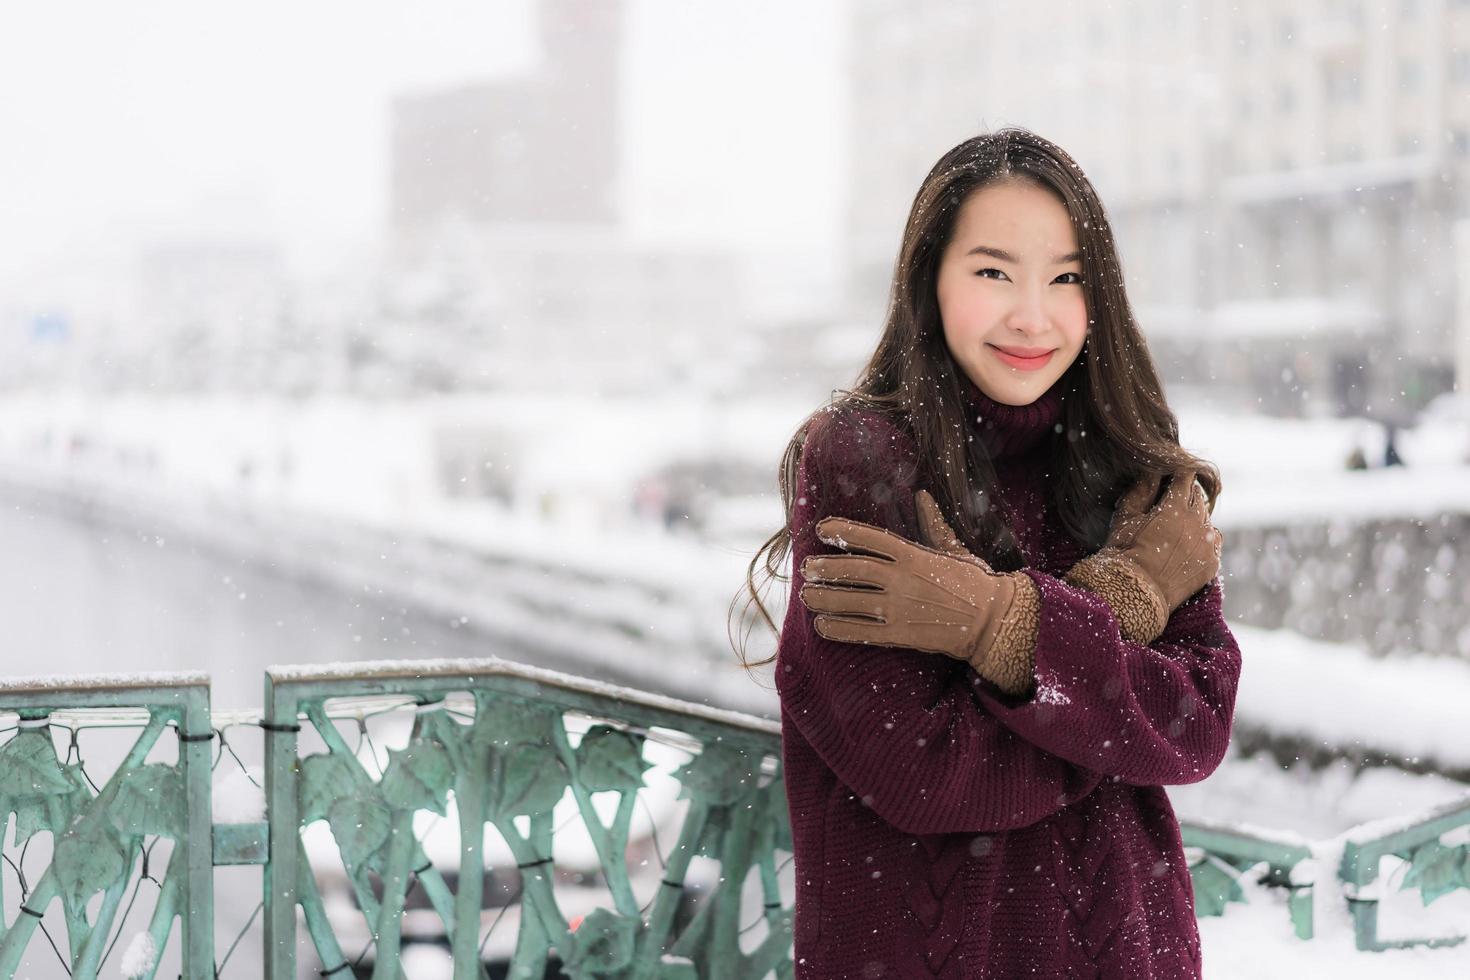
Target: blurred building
{"x":1283,"y":179}
{"x":210,"y":315}
{"x":539,"y":305}
{"x":1350,"y":187}
{"x":512,"y":262}
{"x":536,"y":147}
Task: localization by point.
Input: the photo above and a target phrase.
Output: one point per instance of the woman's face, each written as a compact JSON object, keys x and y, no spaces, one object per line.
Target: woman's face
{"x":1009,"y":287}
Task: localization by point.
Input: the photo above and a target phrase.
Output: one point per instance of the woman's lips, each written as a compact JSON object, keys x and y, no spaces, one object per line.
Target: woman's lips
{"x":1022,"y":363}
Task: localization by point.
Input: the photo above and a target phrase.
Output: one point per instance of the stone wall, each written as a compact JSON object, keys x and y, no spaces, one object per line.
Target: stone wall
{"x":1389,"y":586}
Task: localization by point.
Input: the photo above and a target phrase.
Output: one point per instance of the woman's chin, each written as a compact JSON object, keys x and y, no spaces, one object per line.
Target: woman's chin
{"x":1023,"y":389}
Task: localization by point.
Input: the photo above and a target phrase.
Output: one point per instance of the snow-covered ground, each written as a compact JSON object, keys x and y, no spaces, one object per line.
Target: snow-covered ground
{"x":1256,"y":941}
{"x":1322,"y":809}
{"x":578,"y":460}
{"x":1283,"y":471}
{"x":1408,"y":707}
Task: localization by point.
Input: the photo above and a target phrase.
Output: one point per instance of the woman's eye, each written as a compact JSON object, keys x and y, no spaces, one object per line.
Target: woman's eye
{"x":983,"y":272}
{"x":1076,"y":277}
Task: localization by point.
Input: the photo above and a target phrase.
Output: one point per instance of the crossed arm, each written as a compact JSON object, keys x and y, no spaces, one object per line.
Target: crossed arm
{"x":931,"y":745}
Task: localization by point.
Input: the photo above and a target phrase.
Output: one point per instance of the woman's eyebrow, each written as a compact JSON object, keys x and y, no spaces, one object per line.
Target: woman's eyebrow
{"x":1004,"y":256}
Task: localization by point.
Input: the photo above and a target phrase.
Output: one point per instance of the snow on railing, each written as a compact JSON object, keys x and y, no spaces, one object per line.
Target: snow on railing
{"x":1429,"y":852}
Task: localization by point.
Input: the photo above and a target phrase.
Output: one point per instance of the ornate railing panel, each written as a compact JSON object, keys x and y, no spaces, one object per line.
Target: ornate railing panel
{"x":490,"y":745}
{"x":1434,"y":868}
{"x":1432,"y":849}
{"x":90,"y":847}
{"x":1219,"y":854}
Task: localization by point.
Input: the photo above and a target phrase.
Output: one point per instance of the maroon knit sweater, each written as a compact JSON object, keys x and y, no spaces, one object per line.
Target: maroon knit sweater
{"x":943,"y":828}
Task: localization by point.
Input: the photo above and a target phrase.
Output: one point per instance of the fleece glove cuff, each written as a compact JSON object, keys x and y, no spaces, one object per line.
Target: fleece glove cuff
{"x":1141,"y":609}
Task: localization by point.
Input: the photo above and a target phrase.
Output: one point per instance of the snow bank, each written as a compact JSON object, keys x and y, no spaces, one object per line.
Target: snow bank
{"x":1257,"y":940}
{"x":1336,"y":694}
{"x":1257,"y":795}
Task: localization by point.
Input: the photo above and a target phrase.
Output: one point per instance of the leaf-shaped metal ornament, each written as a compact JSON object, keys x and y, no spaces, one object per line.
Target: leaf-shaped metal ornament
{"x":603,"y":944}
{"x":326,"y":778}
{"x":610,"y":759}
{"x":513,"y":722}
{"x":149,"y":801}
{"x":52,"y":813}
{"x":360,"y":825}
{"x":32,"y":815}
{"x":87,"y":860}
{"x":532,"y":780}
{"x":719,"y":776}
{"x":418,"y":777}
{"x":29,"y":767}
{"x":1437,"y":870}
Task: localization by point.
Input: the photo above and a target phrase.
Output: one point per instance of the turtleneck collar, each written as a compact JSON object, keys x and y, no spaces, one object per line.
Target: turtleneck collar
{"x":1009,"y":430}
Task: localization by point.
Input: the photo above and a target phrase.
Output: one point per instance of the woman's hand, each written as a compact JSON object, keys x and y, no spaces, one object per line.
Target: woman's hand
{"x":1154,"y":557}
{"x":939,"y":598}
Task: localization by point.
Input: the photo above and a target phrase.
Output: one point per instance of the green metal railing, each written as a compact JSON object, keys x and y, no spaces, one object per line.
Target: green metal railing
{"x":1434,"y":869}
{"x":495,"y":736}
{"x":103,"y":838}
{"x":1219,"y":855}
{"x":496,"y":812}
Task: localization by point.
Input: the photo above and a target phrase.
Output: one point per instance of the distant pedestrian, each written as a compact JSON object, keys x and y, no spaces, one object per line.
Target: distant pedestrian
{"x":1390,"y":451}
{"x":650,"y":499}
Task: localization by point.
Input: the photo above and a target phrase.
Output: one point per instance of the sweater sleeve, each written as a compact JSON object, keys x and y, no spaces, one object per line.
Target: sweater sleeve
{"x":1158,"y":714}
{"x":900,"y":728}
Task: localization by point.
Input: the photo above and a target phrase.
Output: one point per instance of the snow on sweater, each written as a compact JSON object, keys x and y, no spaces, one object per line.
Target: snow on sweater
{"x":945,"y":829}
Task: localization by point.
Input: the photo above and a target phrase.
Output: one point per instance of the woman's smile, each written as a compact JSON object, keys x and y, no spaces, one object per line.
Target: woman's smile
{"x":1019,"y":360}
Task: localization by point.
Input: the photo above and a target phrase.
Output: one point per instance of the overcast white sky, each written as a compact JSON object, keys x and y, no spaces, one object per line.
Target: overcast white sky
{"x":121,"y":123}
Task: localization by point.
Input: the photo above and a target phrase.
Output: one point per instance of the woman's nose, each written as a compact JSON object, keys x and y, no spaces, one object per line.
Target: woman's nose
{"x":1029,"y":313}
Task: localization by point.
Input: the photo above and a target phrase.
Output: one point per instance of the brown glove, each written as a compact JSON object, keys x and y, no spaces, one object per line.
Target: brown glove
{"x":1154,"y":558}
{"x":895,"y":592}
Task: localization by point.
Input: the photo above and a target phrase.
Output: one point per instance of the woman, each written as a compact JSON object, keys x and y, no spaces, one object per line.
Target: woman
{"x":1001,"y":643}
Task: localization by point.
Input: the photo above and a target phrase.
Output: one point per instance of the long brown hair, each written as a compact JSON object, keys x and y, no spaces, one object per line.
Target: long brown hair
{"x":1116,"y":426}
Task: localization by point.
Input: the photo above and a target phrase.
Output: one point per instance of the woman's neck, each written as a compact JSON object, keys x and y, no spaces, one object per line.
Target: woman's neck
{"x":1009,"y":430}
